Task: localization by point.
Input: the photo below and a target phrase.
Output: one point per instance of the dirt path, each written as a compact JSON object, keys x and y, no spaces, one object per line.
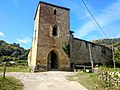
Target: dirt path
{"x":52,"y":80}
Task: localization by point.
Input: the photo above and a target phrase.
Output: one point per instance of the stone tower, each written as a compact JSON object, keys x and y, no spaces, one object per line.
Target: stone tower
{"x":50,"y":47}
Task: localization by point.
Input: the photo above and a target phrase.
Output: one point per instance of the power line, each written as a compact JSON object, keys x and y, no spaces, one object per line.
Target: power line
{"x":94,"y":18}
{"x":100,"y":28}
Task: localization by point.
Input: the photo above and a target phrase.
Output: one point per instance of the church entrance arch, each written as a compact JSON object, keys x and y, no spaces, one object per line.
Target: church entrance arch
{"x":53,"y":60}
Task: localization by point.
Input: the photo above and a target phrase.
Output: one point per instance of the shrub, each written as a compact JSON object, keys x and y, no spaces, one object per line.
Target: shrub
{"x":109,"y":77}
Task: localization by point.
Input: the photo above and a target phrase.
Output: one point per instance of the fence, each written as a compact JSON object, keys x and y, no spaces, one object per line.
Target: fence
{"x":83,"y":68}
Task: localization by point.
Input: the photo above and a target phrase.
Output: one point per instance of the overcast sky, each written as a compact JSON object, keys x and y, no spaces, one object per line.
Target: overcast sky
{"x":17,"y":19}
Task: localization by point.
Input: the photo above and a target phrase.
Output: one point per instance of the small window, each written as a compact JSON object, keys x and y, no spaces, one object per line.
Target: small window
{"x":55,"y":12}
{"x":54,"y":31}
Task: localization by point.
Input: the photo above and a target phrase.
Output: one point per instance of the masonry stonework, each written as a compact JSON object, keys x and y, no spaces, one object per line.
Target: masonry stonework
{"x":54,"y":47}
{"x":81,"y":54}
{"x":45,"y":43}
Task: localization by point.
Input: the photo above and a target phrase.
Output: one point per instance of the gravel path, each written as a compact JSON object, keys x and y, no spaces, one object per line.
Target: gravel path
{"x":52,"y":80}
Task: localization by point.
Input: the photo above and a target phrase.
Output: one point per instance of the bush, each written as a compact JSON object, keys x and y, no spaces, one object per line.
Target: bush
{"x":109,"y":77}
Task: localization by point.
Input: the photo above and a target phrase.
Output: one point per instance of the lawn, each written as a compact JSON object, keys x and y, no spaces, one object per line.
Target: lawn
{"x":90,"y":81}
{"x":15,"y":69}
{"x":10,"y":83}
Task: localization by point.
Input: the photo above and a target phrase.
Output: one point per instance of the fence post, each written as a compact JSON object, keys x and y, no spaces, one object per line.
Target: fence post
{"x":4,"y":70}
{"x":84,"y":68}
{"x":113,"y":56}
{"x":91,"y":57}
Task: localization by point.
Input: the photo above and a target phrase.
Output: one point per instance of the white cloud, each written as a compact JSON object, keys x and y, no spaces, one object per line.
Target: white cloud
{"x":2,"y":34}
{"x":108,"y":16}
{"x":25,"y":40}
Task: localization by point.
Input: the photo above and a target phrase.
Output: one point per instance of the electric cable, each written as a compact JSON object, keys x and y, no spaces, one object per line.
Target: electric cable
{"x":94,"y":18}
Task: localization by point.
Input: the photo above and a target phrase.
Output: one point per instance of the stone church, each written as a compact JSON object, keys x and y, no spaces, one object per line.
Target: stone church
{"x":55,"y":48}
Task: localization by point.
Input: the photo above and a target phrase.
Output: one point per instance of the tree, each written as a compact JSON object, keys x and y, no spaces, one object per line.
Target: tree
{"x":12,"y":52}
{"x":117,"y":55}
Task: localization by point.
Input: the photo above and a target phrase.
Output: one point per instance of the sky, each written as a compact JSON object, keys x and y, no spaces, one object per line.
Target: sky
{"x":17,"y":19}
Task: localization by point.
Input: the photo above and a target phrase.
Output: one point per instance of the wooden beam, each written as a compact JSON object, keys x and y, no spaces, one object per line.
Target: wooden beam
{"x":113,"y":57}
{"x":90,"y":57}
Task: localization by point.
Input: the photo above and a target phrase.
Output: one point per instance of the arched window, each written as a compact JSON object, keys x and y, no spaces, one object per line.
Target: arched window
{"x":55,"y":31}
{"x":55,"y":12}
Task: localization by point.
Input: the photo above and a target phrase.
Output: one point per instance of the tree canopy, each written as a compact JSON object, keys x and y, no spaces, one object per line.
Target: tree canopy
{"x":12,"y":51}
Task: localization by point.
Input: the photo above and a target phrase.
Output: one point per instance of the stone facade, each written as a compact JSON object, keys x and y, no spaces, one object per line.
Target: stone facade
{"x":51,"y":35}
{"x":81,"y":53}
{"x":54,"y":47}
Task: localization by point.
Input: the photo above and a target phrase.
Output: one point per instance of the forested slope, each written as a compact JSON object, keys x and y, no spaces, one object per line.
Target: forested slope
{"x":12,"y":51}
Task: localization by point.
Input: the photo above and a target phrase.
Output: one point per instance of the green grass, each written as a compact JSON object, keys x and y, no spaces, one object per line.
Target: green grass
{"x":15,"y":69}
{"x":10,"y":83}
{"x":90,"y":81}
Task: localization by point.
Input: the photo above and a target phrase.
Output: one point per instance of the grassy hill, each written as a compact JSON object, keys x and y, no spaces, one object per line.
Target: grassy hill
{"x":12,"y":52}
{"x":108,"y":42}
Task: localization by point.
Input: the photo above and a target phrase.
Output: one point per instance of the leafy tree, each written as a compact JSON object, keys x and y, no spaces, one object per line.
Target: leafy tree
{"x":12,"y":52}
{"x":117,"y":56}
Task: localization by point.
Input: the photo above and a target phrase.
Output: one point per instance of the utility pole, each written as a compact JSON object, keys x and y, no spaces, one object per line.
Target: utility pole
{"x":113,"y":56}
{"x":90,"y":57}
{"x":4,"y":70}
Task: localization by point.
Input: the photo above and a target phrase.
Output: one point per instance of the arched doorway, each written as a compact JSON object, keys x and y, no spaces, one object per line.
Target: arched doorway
{"x":52,"y":61}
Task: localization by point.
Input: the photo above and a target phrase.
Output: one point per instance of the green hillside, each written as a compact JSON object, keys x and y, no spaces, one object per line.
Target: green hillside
{"x":109,"y":42}
{"x":12,"y":52}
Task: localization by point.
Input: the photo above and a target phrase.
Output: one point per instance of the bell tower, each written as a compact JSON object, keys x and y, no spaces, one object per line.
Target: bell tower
{"x":51,"y":40}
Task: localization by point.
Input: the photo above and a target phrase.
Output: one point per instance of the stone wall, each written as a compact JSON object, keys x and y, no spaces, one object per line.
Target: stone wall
{"x":80,"y":53}
{"x":33,"y":52}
